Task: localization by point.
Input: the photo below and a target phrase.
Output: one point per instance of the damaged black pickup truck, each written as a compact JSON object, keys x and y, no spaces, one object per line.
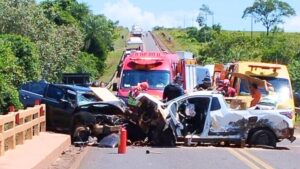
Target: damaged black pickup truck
{"x":204,"y":117}
{"x":73,"y":109}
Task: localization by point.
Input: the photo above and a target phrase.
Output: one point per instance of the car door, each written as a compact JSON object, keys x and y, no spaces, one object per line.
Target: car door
{"x":226,"y":123}
{"x":56,"y":107}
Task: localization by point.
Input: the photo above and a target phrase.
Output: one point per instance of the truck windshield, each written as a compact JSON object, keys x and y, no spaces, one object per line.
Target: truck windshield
{"x":157,"y":79}
{"x":281,"y":87}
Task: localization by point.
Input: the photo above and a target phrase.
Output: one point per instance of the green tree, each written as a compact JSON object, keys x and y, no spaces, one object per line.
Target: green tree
{"x":202,"y":16}
{"x":89,"y":64}
{"x":98,"y":30}
{"x":57,"y":45}
{"x":99,"y":33}
{"x":27,"y":55}
{"x":64,"y":12}
{"x":269,"y":12}
{"x":11,"y":75}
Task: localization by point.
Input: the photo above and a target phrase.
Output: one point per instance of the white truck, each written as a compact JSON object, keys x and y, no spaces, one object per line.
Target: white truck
{"x":136,"y":30}
{"x":205,"y":116}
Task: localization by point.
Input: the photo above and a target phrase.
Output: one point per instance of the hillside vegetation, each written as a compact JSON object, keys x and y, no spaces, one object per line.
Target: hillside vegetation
{"x":213,"y":45}
{"x":44,"y":40}
{"x":114,"y":56}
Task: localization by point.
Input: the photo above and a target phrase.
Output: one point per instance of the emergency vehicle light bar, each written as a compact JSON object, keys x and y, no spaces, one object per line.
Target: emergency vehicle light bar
{"x":147,"y":59}
{"x":151,"y":54}
{"x":264,"y":67}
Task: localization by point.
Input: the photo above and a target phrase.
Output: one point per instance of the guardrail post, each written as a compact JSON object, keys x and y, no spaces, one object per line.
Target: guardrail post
{"x":11,"y":108}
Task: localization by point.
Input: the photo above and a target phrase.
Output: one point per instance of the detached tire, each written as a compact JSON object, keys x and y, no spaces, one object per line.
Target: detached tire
{"x":264,"y":138}
{"x":81,"y":134}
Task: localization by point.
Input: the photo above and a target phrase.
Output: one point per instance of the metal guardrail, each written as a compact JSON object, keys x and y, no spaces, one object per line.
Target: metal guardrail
{"x":16,"y":127}
{"x":114,"y":76}
{"x":159,"y":43}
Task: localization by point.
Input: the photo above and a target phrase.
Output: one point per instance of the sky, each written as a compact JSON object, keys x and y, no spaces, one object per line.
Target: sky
{"x":183,"y":13}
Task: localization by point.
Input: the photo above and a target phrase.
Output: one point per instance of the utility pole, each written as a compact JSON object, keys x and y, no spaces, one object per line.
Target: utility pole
{"x":251,"y":26}
{"x":184,"y":22}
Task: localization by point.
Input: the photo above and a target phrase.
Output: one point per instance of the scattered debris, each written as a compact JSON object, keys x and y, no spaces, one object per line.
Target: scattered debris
{"x":111,"y":141}
{"x":152,"y":152}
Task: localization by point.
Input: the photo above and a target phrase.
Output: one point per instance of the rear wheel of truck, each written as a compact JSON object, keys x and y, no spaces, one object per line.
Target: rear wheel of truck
{"x":263,"y":137}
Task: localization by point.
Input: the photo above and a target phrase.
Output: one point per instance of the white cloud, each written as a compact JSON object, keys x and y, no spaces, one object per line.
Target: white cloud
{"x":128,"y":14}
{"x":292,"y":24}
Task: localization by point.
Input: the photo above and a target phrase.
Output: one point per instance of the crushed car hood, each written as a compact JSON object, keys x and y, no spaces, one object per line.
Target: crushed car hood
{"x":159,"y":105}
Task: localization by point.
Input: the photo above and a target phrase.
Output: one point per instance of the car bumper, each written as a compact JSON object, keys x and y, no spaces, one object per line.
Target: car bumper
{"x":292,"y":138}
{"x":287,"y":133}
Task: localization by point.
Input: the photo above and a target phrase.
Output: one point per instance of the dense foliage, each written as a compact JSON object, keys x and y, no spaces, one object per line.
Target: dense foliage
{"x":42,"y":41}
{"x":225,"y":46}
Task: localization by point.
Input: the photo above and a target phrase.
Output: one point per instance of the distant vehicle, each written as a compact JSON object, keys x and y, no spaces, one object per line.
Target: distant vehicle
{"x":80,"y":79}
{"x":134,"y":44}
{"x":204,"y":117}
{"x":136,"y":30}
{"x":70,"y":106}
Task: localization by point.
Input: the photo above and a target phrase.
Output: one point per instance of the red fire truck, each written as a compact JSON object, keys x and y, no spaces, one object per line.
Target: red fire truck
{"x":156,"y":68}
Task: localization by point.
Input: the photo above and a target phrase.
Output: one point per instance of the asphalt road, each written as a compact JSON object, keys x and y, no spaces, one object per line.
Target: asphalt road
{"x":149,"y":43}
{"x":285,"y":156}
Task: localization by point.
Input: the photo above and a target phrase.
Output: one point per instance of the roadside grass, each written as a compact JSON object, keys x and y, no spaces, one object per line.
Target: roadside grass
{"x":114,"y":56}
{"x":177,"y":40}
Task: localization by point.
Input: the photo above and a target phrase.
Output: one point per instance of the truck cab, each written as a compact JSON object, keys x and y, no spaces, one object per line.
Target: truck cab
{"x":156,"y":68}
{"x":242,"y":74}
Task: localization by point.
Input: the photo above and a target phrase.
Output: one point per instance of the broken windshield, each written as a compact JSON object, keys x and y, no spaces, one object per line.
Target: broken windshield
{"x":86,"y":98}
{"x":281,"y":87}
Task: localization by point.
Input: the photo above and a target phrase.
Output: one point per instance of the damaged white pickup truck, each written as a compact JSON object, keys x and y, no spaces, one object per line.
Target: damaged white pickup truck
{"x":204,"y":117}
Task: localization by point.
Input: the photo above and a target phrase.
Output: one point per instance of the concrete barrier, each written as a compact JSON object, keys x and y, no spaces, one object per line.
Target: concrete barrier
{"x":16,"y":127}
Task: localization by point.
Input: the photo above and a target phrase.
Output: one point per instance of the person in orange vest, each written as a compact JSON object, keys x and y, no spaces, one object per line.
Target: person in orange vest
{"x":255,"y":93}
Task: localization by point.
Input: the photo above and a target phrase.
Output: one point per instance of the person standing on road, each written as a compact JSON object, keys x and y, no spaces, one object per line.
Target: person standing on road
{"x":205,"y":85}
{"x":255,"y":93}
{"x":173,"y":90}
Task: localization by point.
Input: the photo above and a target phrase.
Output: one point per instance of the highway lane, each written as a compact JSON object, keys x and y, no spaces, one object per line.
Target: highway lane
{"x":149,"y":43}
{"x":286,"y":156}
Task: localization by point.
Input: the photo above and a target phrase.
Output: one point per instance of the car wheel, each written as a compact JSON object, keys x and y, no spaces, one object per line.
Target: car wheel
{"x":81,"y":134}
{"x":167,"y":138}
{"x":263,"y":137}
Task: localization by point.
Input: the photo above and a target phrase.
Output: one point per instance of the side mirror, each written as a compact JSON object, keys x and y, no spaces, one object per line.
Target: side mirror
{"x":115,"y":87}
